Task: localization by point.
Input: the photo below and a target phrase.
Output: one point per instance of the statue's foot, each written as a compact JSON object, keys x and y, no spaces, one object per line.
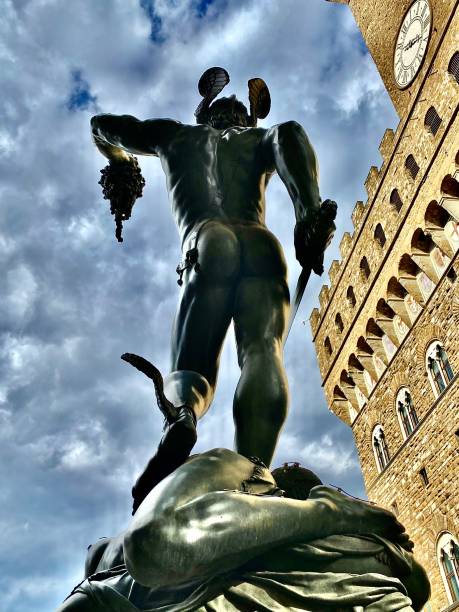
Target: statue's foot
{"x":352,"y":516}
{"x":173,"y":450}
{"x":179,"y":434}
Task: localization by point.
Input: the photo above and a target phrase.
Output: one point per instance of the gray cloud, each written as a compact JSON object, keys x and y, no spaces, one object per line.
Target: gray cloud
{"x":77,"y":424}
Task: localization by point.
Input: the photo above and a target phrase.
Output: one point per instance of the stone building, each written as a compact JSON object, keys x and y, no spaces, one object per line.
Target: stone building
{"x":386,"y":333}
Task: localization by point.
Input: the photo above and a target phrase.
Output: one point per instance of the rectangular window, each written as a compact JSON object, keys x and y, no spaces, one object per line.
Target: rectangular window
{"x":424,"y":477}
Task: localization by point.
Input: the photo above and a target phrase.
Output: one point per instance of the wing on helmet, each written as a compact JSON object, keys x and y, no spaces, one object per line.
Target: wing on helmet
{"x":210,"y":85}
{"x":259,"y":98}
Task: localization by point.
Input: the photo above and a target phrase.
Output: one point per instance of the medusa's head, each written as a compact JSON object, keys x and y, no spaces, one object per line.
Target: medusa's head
{"x":296,"y":481}
{"x":229,"y":112}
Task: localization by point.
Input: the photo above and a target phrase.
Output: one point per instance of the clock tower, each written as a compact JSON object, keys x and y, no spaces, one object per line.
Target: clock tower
{"x":385,"y":332}
{"x":403,"y":37}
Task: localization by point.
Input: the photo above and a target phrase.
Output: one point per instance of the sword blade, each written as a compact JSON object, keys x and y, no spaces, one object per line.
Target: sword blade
{"x":299,"y":292}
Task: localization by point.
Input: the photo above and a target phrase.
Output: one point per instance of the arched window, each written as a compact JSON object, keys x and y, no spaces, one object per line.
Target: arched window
{"x":328,"y":346}
{"x":396,"y":200}
{"x":432,"y":120}
{"x":339,"y":323}
{"x":453,"y":67}
{"x":412,"y":166}
{"x":448,"y":560}
{"x":351,"y":297}
{"x":380,"y":448}
{"x":438,"y":367}
{"x":379,"y":235}
{"x":406,"y":413}
{"x":365,"y":267}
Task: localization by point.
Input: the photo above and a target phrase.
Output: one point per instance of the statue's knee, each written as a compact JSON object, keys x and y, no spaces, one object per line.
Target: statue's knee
{"x":139,"y":556}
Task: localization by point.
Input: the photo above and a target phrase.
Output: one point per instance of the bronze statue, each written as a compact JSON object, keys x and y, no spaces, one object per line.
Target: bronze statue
{"x":233,"y":268}
{"x":304,"y":549}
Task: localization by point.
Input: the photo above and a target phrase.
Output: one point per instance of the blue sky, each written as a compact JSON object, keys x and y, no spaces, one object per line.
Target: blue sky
{"x":77,"y":424}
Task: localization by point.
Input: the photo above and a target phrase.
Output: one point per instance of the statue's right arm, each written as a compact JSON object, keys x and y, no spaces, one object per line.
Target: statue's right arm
{"x":118,"y":137}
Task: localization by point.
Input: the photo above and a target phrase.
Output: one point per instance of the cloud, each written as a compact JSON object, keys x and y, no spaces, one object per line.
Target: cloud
{"x":77,"y":423}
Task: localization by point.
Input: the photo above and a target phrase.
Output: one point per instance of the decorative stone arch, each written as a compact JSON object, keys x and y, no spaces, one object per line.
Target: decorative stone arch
{"x":366,"y":355}
{"x":343,"y":406}
{"x":360,"y":375}
{"x":396,"y":297}
{"x":455,"y":307}
{"x":380,"y":448}
{"x":400,"y":379}
{"x":443,"y":229}
{"x":352,"y":391}
{"x":414,"y":279}
{"x":405,"y":409}
{"x":391,"y":324}
{"x":447,"y":554}
{"x":428,"y":256}
{"x":427,"y":335}
{"x":438,"y":367}
{"x":450,"y":195}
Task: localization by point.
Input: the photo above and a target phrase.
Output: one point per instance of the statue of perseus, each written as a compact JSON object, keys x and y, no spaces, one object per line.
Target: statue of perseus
{"x":233,"y":268}
{"x":218,"y":531}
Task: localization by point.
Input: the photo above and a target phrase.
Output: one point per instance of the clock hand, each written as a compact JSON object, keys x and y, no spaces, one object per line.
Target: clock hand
{"x":412,"y":42}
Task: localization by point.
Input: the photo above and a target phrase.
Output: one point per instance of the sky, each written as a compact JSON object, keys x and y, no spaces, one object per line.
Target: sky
{"x":76,"y":423}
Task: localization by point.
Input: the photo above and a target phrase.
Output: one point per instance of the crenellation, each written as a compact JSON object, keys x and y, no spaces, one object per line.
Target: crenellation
{"x":324,"y":298}
{"x":387,"y":144}
{"x":314,"y":320}
{"x":372,"y":182}
{"x":334,"y":272}
{"x":345,"y":245}
{"x":357,"y":215}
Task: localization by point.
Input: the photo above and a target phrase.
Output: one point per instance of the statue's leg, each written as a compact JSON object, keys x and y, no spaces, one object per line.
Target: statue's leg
{"x":201,"y":323}
{"x":203,"y":316}
{"x":261,"y":310}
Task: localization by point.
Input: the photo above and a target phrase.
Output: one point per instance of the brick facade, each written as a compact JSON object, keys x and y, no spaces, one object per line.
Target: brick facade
{"x":396,"y":291}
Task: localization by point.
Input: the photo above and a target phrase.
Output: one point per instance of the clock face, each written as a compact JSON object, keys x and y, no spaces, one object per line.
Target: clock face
{"x":412,"y":42}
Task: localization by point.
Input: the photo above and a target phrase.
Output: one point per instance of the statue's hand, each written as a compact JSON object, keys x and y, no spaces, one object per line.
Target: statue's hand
{"x":347,"y":515}
{"x":314,"y":234}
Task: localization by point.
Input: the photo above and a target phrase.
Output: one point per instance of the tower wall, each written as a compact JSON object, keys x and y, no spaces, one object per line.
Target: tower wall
{"x":395,"y":291}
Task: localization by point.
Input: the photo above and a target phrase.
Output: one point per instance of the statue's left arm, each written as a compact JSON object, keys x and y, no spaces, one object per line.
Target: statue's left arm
{"x":118,"y":137}
{"x":288,"y":151}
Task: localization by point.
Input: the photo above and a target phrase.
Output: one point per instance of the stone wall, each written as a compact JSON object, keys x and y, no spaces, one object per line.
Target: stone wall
{"x":396,"y":290}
